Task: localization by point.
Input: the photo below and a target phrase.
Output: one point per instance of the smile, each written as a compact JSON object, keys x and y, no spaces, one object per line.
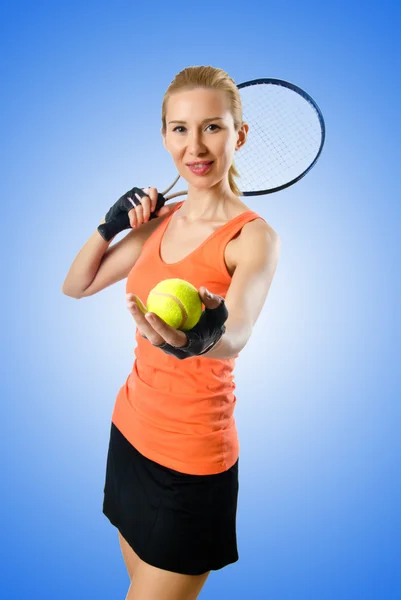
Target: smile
{"x":200,"y":168}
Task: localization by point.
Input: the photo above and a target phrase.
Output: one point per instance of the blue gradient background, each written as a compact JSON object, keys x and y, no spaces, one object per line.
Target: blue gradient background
{"x":318,"y":383}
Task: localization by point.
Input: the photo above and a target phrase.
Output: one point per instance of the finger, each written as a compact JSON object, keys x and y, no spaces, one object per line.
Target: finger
{"x":172,"y":336}
{"x":145,"y":205}
{"x":153,"y":195}
{"x":144,"y":327}
{"x":163,"y":211}
{"x":150,"y":205}
{"x":132,"y":218}
{"x":140,"y":208}
{"x":134,"y":301}
{"x":208,"y":298}
{"x":131,"y":304}
{"x":131,"y":299}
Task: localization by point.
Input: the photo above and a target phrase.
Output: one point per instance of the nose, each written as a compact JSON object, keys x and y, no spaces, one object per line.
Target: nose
{"x":195,"y":144}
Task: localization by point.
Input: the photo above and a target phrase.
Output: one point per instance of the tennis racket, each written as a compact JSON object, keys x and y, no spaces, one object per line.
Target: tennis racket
{"x":285,"y":139}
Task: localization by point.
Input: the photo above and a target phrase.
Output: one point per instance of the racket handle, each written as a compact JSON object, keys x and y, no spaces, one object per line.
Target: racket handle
{"x":176,"y":194}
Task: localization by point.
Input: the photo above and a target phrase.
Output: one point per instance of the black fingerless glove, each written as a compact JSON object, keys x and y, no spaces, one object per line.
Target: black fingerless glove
{"x":117,"y":218}
{"x":203,"y":336}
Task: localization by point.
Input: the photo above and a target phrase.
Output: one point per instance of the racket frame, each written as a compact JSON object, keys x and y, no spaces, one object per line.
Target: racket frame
{"x":304,"y":95}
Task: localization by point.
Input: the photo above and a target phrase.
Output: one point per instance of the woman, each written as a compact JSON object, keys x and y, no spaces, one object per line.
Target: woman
{"x":172,"y":467}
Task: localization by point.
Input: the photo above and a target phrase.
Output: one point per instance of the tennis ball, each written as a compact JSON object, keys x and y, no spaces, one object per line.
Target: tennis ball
{"x":141,"y":305}
{"x":177,"y":302}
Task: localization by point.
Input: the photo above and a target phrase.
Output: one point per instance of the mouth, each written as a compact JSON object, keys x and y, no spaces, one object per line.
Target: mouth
{"x":201,"y":167}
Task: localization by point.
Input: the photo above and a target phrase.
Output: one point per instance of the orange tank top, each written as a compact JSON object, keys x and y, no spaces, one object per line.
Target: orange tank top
{"x":179,"y":413}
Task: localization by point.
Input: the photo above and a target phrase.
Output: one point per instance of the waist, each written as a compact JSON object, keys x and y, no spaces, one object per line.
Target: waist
{"x":190,"y":438}
{"x":179,"y":402}
{"x":194,"y":376}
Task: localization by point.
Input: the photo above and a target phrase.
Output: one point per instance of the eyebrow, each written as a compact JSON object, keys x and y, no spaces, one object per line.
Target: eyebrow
{"x":204,"y":120}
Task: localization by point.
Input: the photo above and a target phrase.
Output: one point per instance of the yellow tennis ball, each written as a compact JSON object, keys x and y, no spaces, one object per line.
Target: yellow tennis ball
{"x":141,"y":305}
{"x":177,"y":302}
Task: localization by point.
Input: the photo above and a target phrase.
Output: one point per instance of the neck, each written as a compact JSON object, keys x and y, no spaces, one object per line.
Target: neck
{"x":212,"y":204}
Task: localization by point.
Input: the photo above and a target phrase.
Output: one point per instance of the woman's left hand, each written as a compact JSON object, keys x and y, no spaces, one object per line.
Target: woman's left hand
{"x":157,"y":331}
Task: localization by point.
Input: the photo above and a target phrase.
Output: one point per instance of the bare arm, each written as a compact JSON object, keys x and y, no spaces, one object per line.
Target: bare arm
{"x":98,"y":266}
{"x":85,"y":265}
{"x":258,"y":256}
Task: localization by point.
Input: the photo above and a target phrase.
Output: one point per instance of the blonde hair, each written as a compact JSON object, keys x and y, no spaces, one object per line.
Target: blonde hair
{"x":210,"y":78}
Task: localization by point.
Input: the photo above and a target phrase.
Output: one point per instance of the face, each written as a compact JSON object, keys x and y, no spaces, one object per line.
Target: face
{"x":200,"y":128}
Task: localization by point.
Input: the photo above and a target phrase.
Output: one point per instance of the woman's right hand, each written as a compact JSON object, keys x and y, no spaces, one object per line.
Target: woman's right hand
{"x":147,"y":204}
{"x":133,"y":209}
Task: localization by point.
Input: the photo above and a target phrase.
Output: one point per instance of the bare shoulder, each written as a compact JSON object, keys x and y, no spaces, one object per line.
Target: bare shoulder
{"x":259,"y":227}
{"x":257,"y":240}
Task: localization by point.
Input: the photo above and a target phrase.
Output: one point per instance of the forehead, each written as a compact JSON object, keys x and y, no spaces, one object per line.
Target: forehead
{"x":197,"y":103}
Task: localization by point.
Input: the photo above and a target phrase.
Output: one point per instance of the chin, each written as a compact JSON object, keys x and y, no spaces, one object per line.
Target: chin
{"x":203,"y":185}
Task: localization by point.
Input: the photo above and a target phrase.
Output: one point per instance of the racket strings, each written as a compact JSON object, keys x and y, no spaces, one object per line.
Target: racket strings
{"x":284,"y":137}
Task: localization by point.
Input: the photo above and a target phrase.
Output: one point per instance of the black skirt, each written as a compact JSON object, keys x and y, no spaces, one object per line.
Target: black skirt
{"x":172,"y":520}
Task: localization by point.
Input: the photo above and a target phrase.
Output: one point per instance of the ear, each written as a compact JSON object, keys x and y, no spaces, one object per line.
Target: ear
{"x":241,"y":136}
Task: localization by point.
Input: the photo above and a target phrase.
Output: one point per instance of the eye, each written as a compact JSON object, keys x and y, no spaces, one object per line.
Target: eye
{"x":181,"y":127}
